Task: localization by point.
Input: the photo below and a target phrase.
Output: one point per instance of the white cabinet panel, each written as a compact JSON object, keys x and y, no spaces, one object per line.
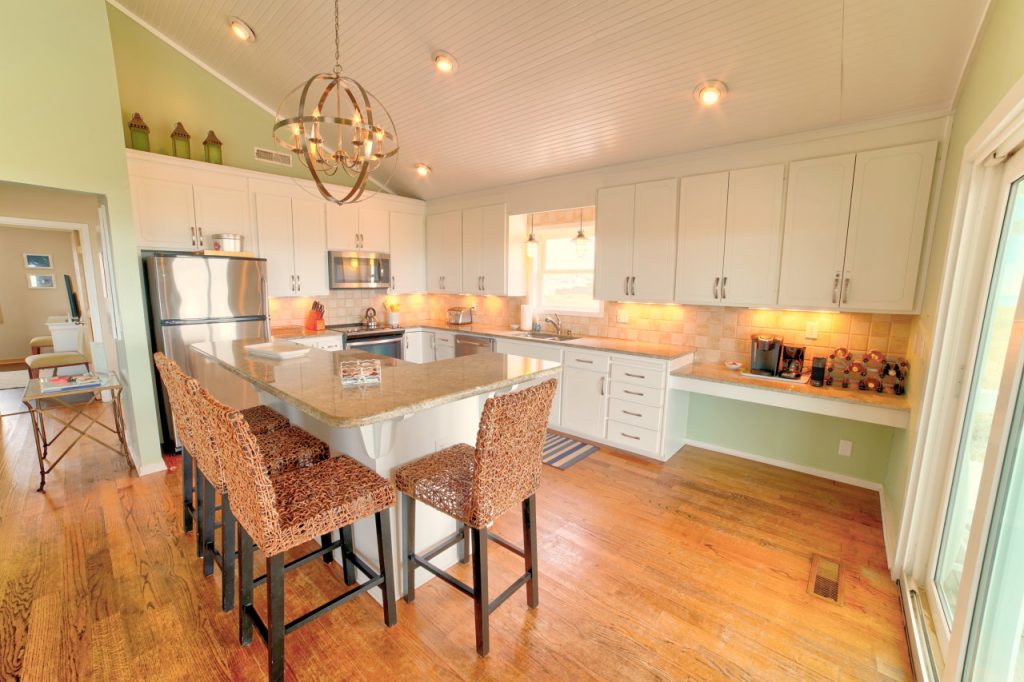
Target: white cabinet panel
{"x":342,"y":226}
{"x":164,"y":213}
{"x":584,"y":404}
{"x":494,"y":250}
{"x":472,"y":245}
{"x":444,"y":252}
{"x":633,"y":438}
{"x":418,"y":347}
{"x":374,"y":229}
{"x":753,"y":237}
{"x":887,"y":222}
{"x":310,"y":247}
{"x":654,"y":241}
{"x":814,"y":236}
{"x":408,"y":253}
{"x":613,"y":261}
{"x":222,"y":210}
{"x":274,"y":228}
{"x":700,"y":245}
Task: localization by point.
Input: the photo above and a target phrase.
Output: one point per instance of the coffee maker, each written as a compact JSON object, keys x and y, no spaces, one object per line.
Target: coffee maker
{"x":765,"y":353}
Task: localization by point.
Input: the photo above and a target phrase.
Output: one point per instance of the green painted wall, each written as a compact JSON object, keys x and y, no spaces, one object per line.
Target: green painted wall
{"x":62,"y":129}
{"x":997,"y":63}
{"x":165,"y":87}
{"x":808,"y":440}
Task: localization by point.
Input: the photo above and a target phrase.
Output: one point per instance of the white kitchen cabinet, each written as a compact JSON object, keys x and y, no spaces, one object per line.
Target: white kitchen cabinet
{"x":183,"y":209}
{"x":444,"y":252}
{"x":418,"y":346}
{"x":539,"y":351}
{"x":293,"y":240}
{"x":374,"y":229}
{"x":358,"y":227}
{"x":703,"y":200}
{"x":408,"y":253}
{"x":585,"y":393}
{"x":485,"y":250}
{"x":814,"y":235}
{"x":888,"y":213}
{"x":444,"y":345}
{"x":342,"y":227}
{"x":636,"y":234}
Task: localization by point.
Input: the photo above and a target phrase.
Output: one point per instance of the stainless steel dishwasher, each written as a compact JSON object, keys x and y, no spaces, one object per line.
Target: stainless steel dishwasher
{"x":471,"y":345}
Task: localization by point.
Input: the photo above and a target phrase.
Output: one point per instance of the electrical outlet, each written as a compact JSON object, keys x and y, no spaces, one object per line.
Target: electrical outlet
{"x":812,"y":330}
{"x":621,"y":316}
{"x":845,"y":448}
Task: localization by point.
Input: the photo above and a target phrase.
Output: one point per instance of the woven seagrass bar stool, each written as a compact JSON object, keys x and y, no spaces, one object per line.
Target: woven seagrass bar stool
{"x":284,"y":448}
{"x":477,"y":485}
{"x":281,"y":512}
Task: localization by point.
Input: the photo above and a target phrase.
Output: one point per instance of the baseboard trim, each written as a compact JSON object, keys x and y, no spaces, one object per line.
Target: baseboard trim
{"x":153,"y":468}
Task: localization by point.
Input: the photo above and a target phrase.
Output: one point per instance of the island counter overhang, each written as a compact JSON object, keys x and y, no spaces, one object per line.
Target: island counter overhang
{"x":417,"y":409}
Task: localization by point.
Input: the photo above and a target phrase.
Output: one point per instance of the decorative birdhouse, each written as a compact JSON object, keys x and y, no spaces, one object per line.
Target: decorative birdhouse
{"x":180,"y":142}
{"x":138,"y":133}
{"x":212,"y":148}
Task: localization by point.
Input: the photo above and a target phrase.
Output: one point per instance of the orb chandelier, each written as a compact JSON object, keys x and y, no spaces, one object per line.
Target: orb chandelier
{"x":337,"y":125}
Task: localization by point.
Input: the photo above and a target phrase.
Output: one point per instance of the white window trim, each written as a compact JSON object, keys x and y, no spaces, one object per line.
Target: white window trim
{"x":535,"y":281}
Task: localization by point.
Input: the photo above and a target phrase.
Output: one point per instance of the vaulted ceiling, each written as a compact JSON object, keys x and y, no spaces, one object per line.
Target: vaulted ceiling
{"x":545,"y":87}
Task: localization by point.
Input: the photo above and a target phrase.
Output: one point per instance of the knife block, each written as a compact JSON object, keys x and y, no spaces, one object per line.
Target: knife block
{"x":314,"y":322}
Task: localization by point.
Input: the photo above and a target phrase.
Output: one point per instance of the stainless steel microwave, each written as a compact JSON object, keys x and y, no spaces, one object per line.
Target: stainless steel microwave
{"x":359,"y":270}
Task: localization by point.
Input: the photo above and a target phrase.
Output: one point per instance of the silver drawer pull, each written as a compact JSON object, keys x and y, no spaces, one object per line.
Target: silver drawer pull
{"x":635,"y":376}
{"x":586,"y":362}
{"x":632,"y":414}
{"x":629,"y":436}
{"x":633,"y":392}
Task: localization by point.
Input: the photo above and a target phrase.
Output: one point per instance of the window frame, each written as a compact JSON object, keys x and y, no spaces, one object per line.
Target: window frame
{"x":539,"y":269}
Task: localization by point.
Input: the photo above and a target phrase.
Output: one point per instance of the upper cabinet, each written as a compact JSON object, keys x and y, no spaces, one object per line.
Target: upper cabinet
{"x":485,"y":250}
{"x":635,"y":242}
{"x":730,"y":236}
{"x":293,"y":239}
{"x":476,"y":251}
{"x":854,"y":229}
{"x":444,"y":252}
{"x":408,"y":249}
{"x":359,"y":227}
{"x":182,"y":208}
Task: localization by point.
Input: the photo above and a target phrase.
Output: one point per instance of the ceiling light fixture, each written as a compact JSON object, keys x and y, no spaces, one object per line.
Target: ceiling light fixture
{"x":241,"y":30}
{"x":532,"y":244}
{"x":422,"y":169}
{"x":445,"y":62}
{"x":710,"y":93}
{"x":338,"y":125}
{"x":580,"y":240}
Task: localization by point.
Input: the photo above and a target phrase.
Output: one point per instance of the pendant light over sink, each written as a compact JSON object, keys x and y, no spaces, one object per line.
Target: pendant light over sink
{"x":531,"y":243}
{"x":331,"y":123}
{"x":580,"y":240}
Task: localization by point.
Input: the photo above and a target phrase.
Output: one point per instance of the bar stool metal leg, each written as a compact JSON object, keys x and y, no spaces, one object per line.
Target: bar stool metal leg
{"x":200,"y":503}
{"x":463,"y":546}
{"x":227,"y":556}
{"x":276,"y":624}
{"x":383,"y":520}
{"x":245,"y":585}
{"x":187,"y":491}
{"x":481,"y":600}
{"x":326,"y":539}
{"x":409,"y":545}
{"x":530,"y":550}
{"x":209,"y":504}
{"x":347,"y":547}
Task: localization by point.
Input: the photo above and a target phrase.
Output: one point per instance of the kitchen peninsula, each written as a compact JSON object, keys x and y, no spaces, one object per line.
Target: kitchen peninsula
{"x":415,"y":410}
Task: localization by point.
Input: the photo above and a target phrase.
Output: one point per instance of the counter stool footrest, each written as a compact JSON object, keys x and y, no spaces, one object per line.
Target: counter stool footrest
{"x":304,"y":559}
{"x":443,"y":575}
{"x":500,"y":599}
{"x":442,"y":546}
{"x":506,"y":544}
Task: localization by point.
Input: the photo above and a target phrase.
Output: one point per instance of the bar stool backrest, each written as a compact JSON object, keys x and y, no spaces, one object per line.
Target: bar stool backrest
{"x":509,"y":448}
{"x":173,"y":379}
{"x":248,"y":482}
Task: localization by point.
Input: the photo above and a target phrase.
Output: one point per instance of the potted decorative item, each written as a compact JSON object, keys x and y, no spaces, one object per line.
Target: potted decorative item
{"x":138,"y":133}
{"x":180,"y":144}
{"x":212,"y":148}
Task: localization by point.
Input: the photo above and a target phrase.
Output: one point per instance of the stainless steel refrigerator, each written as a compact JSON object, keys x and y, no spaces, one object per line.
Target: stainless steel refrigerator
{"x":205,"y":298}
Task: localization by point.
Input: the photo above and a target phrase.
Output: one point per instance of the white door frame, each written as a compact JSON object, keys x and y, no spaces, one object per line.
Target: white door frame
{"x":968,"y":265}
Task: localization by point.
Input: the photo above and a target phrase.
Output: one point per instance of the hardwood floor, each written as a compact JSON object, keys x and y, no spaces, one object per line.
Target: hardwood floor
{"x":694,"y":569}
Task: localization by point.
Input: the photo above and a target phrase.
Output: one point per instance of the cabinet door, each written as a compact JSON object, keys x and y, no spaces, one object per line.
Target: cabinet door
{"x":584,"y":405}
{"x":222,"y":210}
{"x":654,"y":241}
{"x":472,"y":245}
{"x":274,"y":230}
{"x":887,"y":221}
{"x":700,"y":239}
{"x":374,"y":229}
{"x":408,"y":253}
{"x":310,"y":247}
{"x":753,"y":237}
{"x":814,"y":235}
{"x":342,"y":226}
{"x":613,"y":243}
{"x":494,"y":250}
{"x":164,"y":213}
{"x":540,"y":351}
{"x":414,"y":347}
{"x":444,"y":252}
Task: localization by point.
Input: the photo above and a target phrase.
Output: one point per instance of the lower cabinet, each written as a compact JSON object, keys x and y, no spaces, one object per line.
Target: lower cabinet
{"x":539,"y":351}
{"x":585,"y":393}
{"x":418,"y":347}
{"x":444,"y":346}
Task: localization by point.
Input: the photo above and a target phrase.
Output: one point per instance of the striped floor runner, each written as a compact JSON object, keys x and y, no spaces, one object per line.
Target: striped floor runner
{"x":562,"y":452}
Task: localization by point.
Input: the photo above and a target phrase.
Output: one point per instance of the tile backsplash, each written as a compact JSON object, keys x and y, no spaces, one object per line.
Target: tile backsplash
{"x":717,"y":333}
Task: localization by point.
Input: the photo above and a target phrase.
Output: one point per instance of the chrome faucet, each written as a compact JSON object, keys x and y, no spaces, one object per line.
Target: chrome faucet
{"x":556,"y":323}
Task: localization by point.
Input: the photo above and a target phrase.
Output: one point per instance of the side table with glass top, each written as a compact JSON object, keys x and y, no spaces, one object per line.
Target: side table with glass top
{"x":49,"y":405}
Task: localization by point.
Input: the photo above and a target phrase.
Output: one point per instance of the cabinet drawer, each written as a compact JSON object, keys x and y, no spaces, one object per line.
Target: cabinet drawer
{"x":637,"y":394}
{"x":638,"y":374}
{"x":646,"y":416}
{"x":631,"y":437}
{"x":596,"y":362}
{"x":442,"y":339}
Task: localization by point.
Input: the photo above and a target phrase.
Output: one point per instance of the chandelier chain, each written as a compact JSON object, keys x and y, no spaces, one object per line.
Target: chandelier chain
{"x":337,"y":41}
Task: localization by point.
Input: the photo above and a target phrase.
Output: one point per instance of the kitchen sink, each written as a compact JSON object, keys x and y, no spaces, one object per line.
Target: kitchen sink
{"x":543,"y":336}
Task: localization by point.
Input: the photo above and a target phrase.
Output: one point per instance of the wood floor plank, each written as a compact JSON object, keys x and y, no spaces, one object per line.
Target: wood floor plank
{"x":692,"y":569}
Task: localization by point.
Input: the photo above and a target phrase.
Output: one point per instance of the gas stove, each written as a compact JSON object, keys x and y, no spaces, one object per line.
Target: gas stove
{"x":358,"y":330}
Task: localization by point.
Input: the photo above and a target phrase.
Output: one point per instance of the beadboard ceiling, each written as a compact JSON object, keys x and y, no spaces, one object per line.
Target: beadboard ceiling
{"x":549,"y":87}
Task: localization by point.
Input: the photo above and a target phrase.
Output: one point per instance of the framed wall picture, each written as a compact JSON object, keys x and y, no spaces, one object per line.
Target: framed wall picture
{"x":40,"y":281}
{"x":38,"y":261}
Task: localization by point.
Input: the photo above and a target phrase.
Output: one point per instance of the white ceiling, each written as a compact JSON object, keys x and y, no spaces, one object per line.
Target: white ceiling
{"x":548,"y":87}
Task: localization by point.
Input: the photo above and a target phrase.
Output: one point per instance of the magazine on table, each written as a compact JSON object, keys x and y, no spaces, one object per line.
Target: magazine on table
{"x":58,"y":384}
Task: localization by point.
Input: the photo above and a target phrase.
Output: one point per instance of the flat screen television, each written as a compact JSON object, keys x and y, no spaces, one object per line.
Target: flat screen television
{"x":73,"y":308}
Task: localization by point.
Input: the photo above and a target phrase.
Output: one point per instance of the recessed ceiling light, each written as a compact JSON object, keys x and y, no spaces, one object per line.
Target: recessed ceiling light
{"x":445,"y":62}
{"x":422,"y":169}
{"x":710,"y":93}
{"x":241,"y":30}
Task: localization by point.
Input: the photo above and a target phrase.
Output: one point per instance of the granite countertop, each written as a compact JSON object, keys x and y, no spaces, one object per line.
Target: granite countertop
{"x":312,"y":385}
{"x":650,"y":350}
{"x":716,"y":372}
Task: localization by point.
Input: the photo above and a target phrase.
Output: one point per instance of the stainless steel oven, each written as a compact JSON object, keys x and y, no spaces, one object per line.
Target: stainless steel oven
{"x":390,"y":345}
{"x":359,"y":270}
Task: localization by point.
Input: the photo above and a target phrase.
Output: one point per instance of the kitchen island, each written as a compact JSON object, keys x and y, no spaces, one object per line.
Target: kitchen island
{"x":415,"y":410}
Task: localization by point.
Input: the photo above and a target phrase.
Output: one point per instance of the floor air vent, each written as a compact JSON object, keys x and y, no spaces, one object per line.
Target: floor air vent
{"x":270,"y":156}
{"x":824,"y":581}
